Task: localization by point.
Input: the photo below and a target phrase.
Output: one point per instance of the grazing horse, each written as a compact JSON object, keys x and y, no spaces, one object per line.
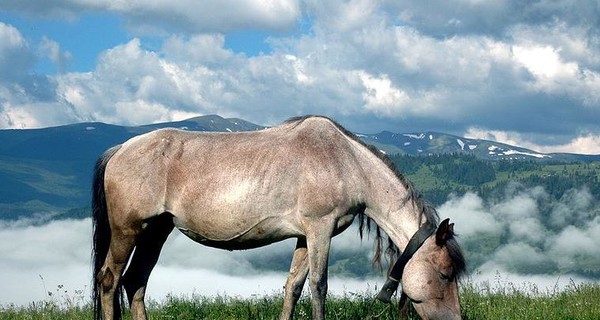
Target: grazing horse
{"x":306,"y":179}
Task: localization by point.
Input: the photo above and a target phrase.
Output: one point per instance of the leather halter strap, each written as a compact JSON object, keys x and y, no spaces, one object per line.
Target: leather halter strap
{"x":393,"y":281}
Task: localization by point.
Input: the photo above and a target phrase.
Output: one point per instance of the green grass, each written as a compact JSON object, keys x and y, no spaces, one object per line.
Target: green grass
{"x":349,"y":306}
{"x":581,"y":301}
{"x":576,"y":302}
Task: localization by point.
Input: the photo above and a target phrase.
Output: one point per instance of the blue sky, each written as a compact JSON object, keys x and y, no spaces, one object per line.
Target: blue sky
{"x":526,"y":73}
{"x":73,"y":37}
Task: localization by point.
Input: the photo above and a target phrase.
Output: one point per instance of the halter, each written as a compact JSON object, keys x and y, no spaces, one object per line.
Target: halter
{"x":391,"y":285}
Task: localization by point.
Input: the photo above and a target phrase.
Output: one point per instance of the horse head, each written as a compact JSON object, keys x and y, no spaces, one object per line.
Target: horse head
{"x":430,"y":277}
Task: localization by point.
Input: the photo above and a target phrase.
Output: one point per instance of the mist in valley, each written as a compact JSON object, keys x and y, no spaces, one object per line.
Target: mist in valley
{"x":521,"y":236}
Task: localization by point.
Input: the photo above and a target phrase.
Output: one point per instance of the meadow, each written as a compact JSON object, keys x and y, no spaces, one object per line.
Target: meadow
{"x":483,"y":301}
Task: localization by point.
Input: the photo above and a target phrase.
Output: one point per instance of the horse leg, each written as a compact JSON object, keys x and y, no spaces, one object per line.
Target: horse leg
{"x":109,"y":277}
{"x":318,"y":244}
{"x":295,"y":280}
{"x":145,"y":257}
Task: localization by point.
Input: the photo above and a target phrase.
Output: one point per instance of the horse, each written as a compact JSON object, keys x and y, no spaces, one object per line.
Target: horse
{"x":308,"y":178}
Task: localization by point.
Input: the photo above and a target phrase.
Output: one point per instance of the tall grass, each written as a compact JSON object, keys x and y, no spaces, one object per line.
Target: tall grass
{"x":348,"y":306}
{"x":575,"y":302}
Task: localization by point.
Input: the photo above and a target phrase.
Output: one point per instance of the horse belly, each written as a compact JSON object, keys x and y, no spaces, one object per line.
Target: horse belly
{"x":231,"y":237}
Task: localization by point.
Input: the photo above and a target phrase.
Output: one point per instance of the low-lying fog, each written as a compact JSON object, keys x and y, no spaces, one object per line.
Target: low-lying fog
{"x":521,"y":238}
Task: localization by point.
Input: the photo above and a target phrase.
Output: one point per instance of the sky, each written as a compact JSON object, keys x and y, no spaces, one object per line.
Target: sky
{"x":54,"y":257}
{"x":520,"y":72}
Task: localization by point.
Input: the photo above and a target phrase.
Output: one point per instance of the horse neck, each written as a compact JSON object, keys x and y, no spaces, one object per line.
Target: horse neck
{"x":392,"y":206}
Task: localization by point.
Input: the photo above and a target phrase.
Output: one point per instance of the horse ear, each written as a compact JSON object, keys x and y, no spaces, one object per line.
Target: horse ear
{"x":444,"y":232}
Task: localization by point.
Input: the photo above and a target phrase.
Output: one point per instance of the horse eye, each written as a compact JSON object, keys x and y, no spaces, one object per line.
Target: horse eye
{"x":444,"y":277}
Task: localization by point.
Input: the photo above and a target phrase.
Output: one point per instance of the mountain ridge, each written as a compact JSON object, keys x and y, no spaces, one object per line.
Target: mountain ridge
{"x":44,"y":170}
{"x":432,"y":142}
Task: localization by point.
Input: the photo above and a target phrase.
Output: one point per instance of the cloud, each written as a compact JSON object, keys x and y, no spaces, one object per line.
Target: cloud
{"x":496,"y":279}
{"x":144,"y":88}
{"x":554,"y":76}
{"x":26,"y":99}
{"x":381,"y":96}
{"x":582,"y":144}
{"x":173,"y":15}
{"x":574,"y":207}
{"x":527,"y":231}
{"x":52,"y":50}
{"x":148,"y":86}
{"x":203,"y":49}
{"x":586,"y":144}
{"x":38,"y":258}
{"x":577,"y":247}
{"x":466,"y":209}
{"x":543,"y":62}
{"x":58,"y":252}
{"x":344,"y":16}
{"x":370,"y":65}
{"x":198,"y":74}
{"x":522,"y":234}
{"x":521,"y":258}
{"x":495,"y":18}
{"x":15,"y":52}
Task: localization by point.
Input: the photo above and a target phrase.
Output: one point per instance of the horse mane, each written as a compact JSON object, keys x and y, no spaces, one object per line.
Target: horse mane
{"x":425,"y":208}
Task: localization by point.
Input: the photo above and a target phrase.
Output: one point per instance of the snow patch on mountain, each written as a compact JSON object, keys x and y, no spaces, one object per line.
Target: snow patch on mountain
{"x":461,"y":144}
{"x":537,"y":155}
{"x":415,"y":136}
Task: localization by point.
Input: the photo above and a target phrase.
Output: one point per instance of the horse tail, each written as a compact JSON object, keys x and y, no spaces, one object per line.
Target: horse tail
{"x":101,"y":231}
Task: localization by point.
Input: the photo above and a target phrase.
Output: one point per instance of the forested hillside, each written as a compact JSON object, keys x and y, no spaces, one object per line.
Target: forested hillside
{"x":438,"y":176}
{"x":521,"y":216}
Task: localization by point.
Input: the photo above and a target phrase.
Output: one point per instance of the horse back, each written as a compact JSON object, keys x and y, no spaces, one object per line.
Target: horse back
{"x":234,"y":182}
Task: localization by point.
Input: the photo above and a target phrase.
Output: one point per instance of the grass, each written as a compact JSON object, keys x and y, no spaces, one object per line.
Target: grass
{"x":349,"y":306}
{"x":576,"y":302}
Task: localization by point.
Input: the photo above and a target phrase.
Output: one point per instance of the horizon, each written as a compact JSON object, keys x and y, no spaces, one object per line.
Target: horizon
{"x":488,"y":138}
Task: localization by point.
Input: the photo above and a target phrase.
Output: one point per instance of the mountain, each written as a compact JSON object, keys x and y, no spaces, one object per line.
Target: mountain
{"x":49,"y":170}
{"x":430,"y":143}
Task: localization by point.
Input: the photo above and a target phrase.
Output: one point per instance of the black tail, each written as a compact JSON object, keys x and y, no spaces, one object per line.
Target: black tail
{"x":101,"y":240}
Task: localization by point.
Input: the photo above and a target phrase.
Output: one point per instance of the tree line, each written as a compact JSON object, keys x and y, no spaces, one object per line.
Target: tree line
{"x":458,"y":173}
